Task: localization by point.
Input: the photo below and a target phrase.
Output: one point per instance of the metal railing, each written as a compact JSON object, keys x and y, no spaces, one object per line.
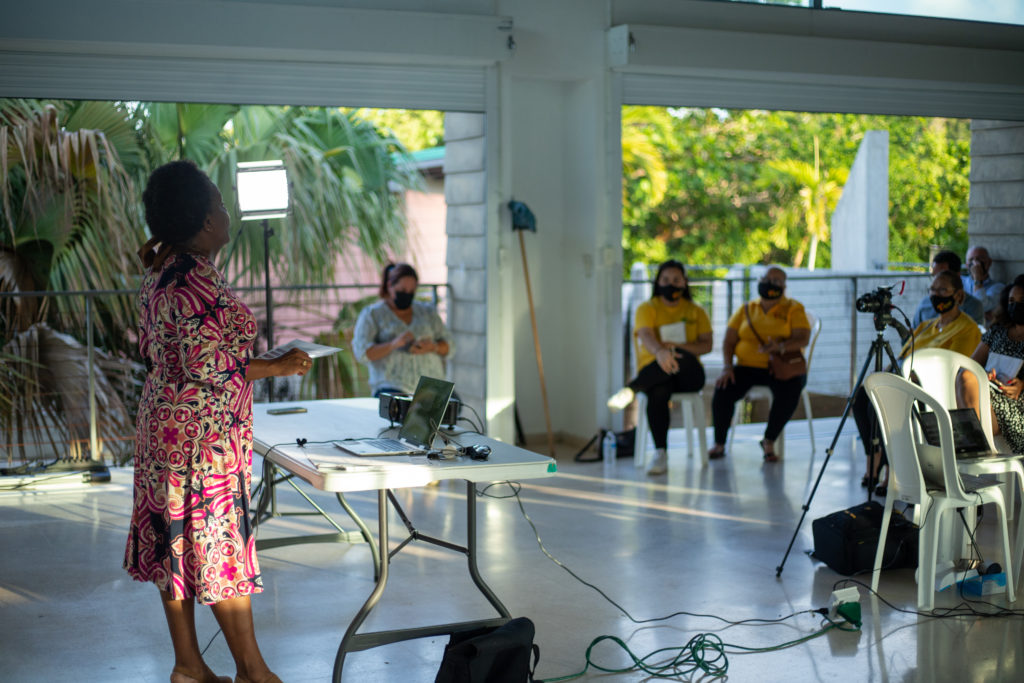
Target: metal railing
{"x":304,"y":311}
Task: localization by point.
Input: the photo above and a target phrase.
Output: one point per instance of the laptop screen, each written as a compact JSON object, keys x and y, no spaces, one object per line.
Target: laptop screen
{"x":968,"y":435}
{"x":426,"y":410}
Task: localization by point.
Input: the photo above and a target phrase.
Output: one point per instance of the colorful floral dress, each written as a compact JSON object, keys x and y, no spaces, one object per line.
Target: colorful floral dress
{"x":190,"y":530}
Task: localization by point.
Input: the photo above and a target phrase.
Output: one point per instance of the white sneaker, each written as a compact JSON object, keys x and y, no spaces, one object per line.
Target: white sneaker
{"x":660,"y":463}
{"x":621,"y":398}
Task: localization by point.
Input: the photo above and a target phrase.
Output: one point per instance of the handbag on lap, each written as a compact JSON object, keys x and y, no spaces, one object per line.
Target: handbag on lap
{"x":782,"y":366}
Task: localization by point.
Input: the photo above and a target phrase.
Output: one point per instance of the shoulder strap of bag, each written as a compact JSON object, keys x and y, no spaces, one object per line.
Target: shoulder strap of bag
{"x":746,"y":309}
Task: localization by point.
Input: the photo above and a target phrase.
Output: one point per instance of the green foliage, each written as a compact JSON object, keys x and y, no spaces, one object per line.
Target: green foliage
{"x":69,"y":217}
{"x":734,"y":180}
{"x":413,"y":129}
{"x":342,"y":178}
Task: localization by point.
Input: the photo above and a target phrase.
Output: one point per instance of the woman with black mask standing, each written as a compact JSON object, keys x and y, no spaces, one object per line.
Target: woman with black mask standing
{"x":670,"y":333}
{"x":771,"y":324}
{"x":399,"y":338}
{"x":1005,"y":336}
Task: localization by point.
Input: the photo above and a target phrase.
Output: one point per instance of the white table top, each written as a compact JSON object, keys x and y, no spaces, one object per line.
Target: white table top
{"x":329,"y":468}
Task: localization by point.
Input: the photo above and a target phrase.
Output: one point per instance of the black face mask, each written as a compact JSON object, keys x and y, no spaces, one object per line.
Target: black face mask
{"x":403,"y":300}
{"x":669,"y":292}
{"x":769,"y":290}
{"x":1015,"y":310}
{"x":942,"y":303}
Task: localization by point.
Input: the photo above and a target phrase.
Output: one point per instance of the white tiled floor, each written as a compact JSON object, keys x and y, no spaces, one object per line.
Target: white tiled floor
{"x":700,"y":541}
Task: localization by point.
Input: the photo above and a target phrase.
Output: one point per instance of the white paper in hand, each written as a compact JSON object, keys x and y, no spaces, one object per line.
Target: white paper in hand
{"x":314,"y":350}
{"x":674,"y":333}
{"x":1006,"y":367}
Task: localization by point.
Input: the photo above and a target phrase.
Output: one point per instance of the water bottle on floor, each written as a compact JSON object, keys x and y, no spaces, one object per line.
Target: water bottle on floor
{"x":608,"y":447}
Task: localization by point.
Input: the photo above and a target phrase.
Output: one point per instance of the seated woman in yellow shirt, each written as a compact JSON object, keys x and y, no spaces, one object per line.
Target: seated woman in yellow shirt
{"x":772,"y":324}
{"x":953,"y":330}
{"x":670,"y":332}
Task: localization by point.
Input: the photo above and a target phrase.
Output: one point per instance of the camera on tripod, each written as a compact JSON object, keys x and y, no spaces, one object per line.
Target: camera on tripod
{"x":878,"y":302}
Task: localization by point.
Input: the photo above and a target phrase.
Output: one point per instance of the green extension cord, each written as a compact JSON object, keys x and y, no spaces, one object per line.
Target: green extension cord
{"x":705,"y":652}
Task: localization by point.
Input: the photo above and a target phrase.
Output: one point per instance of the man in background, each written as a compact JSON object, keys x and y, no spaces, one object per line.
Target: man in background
{"x":979,"y":284}
{"x":947,"y":260}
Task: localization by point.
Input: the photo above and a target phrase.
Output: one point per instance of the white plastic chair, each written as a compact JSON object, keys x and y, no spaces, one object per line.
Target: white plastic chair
{"x":691,"y":404}
{"x":936,"y":370}
{"x":893,"y":399}
{"x":757,"y":393}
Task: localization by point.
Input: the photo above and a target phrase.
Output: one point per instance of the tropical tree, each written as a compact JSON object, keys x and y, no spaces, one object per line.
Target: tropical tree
{"x":817,"y":191}
{"x":343,"y":181}
{"x":70,"y":179}
{"x":68,"y":222}
{"x":719,"y":209}
{"x":414,"y":129}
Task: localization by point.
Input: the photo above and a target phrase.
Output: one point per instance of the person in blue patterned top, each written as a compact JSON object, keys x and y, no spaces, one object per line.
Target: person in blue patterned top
{"x":399,"y":338}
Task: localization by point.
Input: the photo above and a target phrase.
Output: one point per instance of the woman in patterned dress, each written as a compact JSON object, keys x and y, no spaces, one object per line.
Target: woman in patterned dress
{"x":1005,"y":336}
{"x":398,"y":338}
{"x":190,"y":530}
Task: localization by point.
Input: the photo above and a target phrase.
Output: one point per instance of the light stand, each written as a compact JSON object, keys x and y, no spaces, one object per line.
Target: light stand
{"x":262,"y":191}
{"x":882,"y":317}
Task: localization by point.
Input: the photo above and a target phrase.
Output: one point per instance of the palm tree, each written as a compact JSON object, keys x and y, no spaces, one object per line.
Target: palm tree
{"x":343,"y":177}
{"x":818,"y":193}
{"x":68,"y":222}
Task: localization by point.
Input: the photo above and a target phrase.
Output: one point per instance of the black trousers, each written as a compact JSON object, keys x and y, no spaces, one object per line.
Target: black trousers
{"x":785,"y":397}
{"x":867,"y":423}
{"x":659,"y":386}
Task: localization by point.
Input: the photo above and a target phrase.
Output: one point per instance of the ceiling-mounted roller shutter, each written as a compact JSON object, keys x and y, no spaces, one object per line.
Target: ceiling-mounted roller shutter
{"x":249,"y":53}
{"x":674,"y":66}
{"x":103,"y":77}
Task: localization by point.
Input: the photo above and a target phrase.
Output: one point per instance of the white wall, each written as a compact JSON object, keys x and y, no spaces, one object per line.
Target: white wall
{"x":860,"y":221}
{"x":997,"y":194}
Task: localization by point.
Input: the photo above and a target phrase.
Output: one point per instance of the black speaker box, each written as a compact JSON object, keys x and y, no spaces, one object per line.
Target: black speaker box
{"x":847,"y":540}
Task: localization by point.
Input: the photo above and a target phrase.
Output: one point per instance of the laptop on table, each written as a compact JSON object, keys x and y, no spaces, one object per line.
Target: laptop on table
{"x":422,"y":421}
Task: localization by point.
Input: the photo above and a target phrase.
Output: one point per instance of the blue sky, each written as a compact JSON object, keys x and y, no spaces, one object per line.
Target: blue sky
{"x":1002,"y":11}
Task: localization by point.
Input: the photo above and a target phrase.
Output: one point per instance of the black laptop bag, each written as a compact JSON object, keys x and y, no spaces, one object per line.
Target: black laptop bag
{"x":491,"y":655}
{"x":847,"y":540}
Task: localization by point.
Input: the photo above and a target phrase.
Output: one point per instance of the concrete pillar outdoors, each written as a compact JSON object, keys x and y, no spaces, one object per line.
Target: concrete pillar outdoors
{"x":860,"y":222}
{"x":466,"y":227}
{"x":996,"y":219}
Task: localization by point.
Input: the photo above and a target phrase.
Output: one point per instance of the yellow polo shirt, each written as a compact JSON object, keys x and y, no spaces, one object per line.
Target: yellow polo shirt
{"x":962,"y":335}
{"x":655,"y":313}
{"x":778,"y":323}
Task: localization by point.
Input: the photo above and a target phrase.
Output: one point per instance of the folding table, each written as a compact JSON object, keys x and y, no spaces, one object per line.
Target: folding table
{"x":328,"y":468}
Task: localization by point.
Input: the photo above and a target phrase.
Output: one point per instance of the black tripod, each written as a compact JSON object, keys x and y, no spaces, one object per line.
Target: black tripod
{"x":882,"y":318}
